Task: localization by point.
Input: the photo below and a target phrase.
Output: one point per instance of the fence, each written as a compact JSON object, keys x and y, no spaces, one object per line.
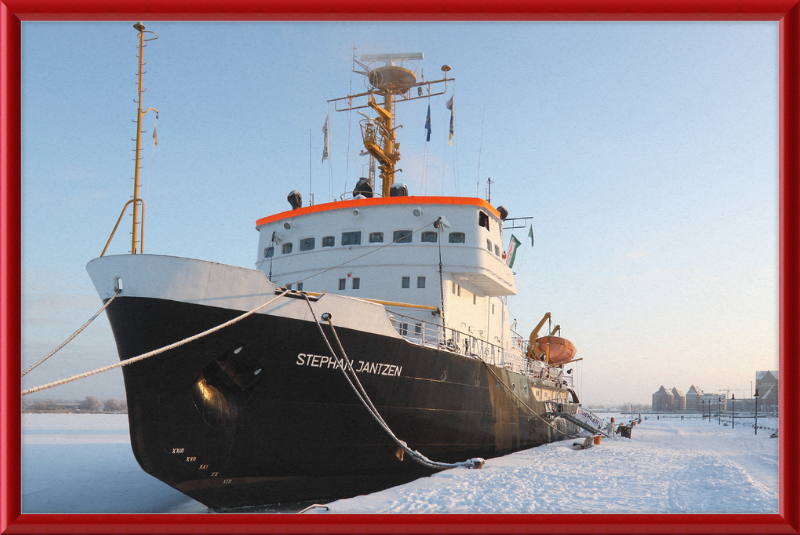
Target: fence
{"x":446,"y":339}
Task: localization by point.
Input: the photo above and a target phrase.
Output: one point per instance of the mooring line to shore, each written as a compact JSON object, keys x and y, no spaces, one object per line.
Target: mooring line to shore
{"x":497,"y":378}
{"x":76,"y":333}
{"x":344,"y":364}
{"x":151,"y":353}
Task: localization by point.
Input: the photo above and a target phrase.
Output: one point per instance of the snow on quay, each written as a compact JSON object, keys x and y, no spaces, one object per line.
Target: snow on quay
{"x":83,"y":464}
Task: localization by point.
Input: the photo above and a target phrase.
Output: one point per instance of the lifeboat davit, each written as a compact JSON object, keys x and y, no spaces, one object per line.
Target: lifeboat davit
{"x":561,"y":349}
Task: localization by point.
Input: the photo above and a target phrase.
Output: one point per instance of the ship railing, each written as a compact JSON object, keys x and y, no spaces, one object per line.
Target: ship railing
{"x":444,"y":338}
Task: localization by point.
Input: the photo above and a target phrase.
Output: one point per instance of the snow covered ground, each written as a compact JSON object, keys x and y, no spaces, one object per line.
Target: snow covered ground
{"x":83,"y":464}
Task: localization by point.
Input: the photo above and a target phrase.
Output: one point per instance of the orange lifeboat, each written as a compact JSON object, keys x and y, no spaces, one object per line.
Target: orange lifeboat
{"x":561,"y":349}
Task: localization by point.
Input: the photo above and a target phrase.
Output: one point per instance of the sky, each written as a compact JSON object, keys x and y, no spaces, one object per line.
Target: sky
{"x":646,"y":154}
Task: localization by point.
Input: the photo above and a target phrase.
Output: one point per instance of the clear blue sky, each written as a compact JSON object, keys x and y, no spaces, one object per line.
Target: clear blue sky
{"x":647,"y":154}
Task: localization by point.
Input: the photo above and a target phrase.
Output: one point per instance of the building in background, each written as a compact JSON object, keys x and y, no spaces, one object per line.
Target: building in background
{"x":678,"y":400}
{"x":767,"y":386}
{"x":714,"y":400}
{"x":693,"y":397}
{"x":696,"y":399}
{"x":663,"y":400}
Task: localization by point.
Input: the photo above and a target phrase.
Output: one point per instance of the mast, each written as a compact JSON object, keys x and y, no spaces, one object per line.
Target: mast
{"x":392,"y":82}
{"x":139,"y":114}
{"x":136,"y":200}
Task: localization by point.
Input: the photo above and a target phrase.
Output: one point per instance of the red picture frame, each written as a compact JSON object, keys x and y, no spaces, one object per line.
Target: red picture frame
{"x":12,"y":12}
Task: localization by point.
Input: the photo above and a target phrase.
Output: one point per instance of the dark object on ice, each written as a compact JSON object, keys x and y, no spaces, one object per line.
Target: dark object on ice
{"x":625,"y":431}
{"x":363,"y":188}
{"x":586,"y":444}
{"x":774,"y":435}
{"x":295,"y":199}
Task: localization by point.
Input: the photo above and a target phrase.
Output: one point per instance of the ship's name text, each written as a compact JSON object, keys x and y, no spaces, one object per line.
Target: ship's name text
{"x":324,"y":361}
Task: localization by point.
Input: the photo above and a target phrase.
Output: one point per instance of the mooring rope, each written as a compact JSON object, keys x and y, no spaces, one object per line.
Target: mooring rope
{"x":76,"y":333}
{"x":500,"y":381}
{"x":151,"y":353}
{"x":344,"y":363}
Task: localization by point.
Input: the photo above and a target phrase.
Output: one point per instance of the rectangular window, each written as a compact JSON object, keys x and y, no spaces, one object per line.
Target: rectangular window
{"x":404,"y":329}
{"x":420,"y":282}
{"x":269,"y":252}
{"x":406,"y":282}
{"x":289,"y":287}
{"x":328,"y":241}
{"x":459,"y":291}
{"x":496,"y":250}
{"x":417,"y":328}
{"x":483,"y":219}
{"x":474,"y":299}
{"x":492,"y":308}
{"x":489,"y":245}
{"x":457,"y":237}
{"x":453,"y":286}
{"x":429,"y":237}
{"x":376,"y":237}
{"x":299,"y":286}
{"x":401,"y":236}
{"x":351,"y":238}
{"x":356,"y":283}
{"x":306,"y":244}
{"x":342,"y":284}
{"x":287,"y":248}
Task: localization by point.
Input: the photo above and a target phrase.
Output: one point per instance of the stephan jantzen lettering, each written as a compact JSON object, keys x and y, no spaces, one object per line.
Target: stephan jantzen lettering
{"x":324,"y":361}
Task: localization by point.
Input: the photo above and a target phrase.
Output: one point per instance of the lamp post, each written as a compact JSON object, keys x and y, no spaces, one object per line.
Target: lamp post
{"x":719,"y":411}
{"x":733,"y":411}
{"x":703,"y":407}
{"x":756,"y":396}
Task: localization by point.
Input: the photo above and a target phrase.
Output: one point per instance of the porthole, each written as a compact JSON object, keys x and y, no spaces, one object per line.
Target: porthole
{"x":417,"y":212}
{"x":443,"y":377}
{"x":513,"y":387}
{"x":477,"y":381}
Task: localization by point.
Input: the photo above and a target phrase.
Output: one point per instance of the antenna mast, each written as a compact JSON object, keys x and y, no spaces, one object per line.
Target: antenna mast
{"x":392,"y":82}
{"x":136,"y":199}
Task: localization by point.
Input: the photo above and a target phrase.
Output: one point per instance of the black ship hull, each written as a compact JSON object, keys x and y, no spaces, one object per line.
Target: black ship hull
{"x":259,"y":413}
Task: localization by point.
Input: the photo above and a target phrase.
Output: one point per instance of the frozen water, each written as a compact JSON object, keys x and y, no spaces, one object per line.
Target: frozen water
{"x":76,"y":463}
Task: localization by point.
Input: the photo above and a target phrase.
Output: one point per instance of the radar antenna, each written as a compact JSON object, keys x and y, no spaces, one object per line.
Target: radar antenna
{"x":393,"y":82}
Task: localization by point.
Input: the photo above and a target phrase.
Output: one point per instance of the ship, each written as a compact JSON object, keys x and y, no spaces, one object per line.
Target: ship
{"x":370,"y":345}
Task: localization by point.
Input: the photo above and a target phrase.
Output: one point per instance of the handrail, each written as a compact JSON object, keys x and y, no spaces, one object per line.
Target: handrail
{"x":435,"y":335}
{"x":118,"y":220}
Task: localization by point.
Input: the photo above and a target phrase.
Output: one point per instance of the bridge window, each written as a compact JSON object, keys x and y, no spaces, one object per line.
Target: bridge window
{"x":457,"y":237}
{"x":483,"y":219}
{"x":306,"y":244}
{"x":356,"y":283}
{"x":401,"y":236}
{"x":496,"y":250}
{"x":406,"y":282}
{"x":342,"y":284}
{"x":269,"y":252}
{"x":420,"y":282}
{"x":429,"y":237}
{"x":287,"y":248}
{"x":351,"y":238}
{"x":328,"y":241}
{"x":489,"y":245}
{"x":299,"y":286}
{"x":376,"y":237}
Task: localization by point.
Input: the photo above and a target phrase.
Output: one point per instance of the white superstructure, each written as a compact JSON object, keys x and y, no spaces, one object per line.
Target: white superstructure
{"x":389,"y":249}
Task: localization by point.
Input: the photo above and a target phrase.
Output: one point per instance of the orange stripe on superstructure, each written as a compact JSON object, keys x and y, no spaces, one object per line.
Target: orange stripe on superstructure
{"x":380,"y":201}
